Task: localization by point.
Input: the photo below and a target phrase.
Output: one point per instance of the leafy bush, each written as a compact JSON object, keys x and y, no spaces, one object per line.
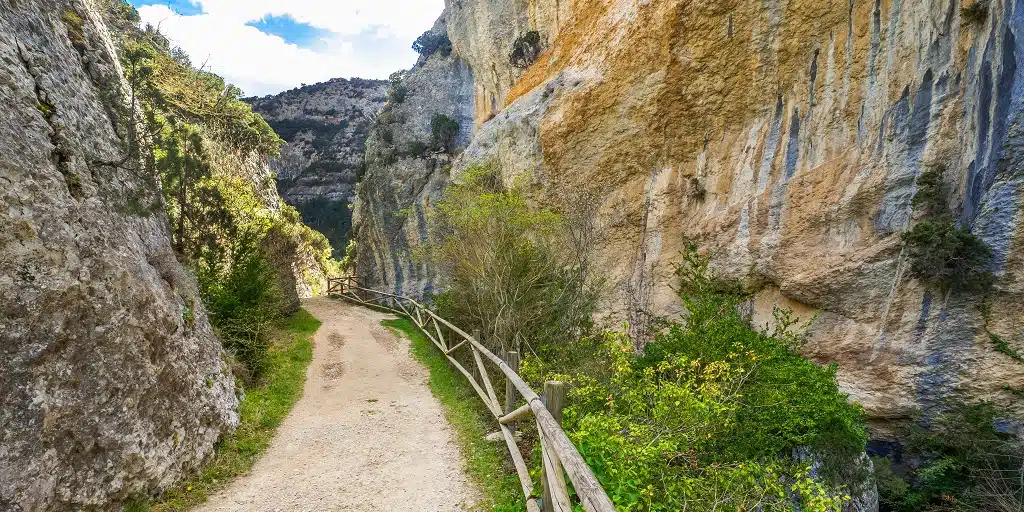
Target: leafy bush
{"x":243,"y":303}
{"x":443,"y":131}
{"x":514,"y":272}
{"x":397,"y":94}
{"x":963,"y":463}
{"x":525,"y":50}
{"x":940,"y":250}
{"x":711,"y":415}
{"x":430,"y":43}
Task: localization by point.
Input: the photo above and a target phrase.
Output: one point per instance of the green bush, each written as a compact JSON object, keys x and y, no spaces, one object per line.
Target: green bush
{"x":944,"y":253}
{"x":430,"y":43}
{"x":397,"y":94}
{"x":443,"y":131}
{"x":525,"y":49}
{"x":710,"y":415}
{"x":243,"y":303}
{"x":940,"y":250}
{"x":962,"y":464}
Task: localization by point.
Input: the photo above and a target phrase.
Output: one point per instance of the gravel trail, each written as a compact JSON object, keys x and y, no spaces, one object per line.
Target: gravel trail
{"x":366,"y":434}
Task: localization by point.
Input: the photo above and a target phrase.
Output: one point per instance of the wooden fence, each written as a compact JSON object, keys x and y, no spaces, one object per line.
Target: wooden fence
{"x":559,"y":455}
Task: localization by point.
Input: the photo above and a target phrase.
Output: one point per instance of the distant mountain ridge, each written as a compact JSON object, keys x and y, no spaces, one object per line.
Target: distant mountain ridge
{"x":325,"y":126}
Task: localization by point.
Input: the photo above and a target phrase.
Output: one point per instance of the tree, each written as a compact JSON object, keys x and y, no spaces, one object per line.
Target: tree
{"x":431,"y":42}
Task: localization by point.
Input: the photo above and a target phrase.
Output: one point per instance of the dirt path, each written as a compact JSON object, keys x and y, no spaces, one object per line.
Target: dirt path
{"x":366,"y":435}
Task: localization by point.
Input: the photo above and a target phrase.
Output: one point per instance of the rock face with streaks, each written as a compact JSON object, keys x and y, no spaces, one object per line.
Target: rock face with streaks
{"x":787,"y":137}
{"x":112,"y":383}
{"x":325,"y":126}
{"x":404,"y":175}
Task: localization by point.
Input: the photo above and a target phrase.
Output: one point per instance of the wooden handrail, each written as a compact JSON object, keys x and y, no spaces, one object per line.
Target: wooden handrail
{"x":554,"y":441}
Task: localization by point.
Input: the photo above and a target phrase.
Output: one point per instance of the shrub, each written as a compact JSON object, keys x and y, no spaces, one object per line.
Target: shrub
{"x":975,"y":13}
{"x":397,"y":94}
{"x":940,"y":250}
{"x":710,"y":416}
{"x":243,"y":303}
{"x":443,"y":131}
{"x":431,"y":42}
{"x":963,"y":463}
{"x":525,"y":49}
{"x":944,"y":253}
{"x":514,"y":272}
{"x":417,"y":149}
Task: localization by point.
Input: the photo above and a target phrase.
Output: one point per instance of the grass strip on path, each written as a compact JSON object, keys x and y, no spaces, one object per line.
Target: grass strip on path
{"x":486,"y":461}
{"x":262,"y":410}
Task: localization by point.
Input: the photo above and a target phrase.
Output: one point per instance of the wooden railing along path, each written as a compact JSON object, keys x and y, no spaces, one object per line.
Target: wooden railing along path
{"x":558,"y":451}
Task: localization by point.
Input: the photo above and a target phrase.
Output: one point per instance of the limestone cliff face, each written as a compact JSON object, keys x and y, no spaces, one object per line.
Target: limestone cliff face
{"x":112,"y":383}
{"x":787,"y":137}
{"x":325,"y":126}
{"x":402,"y":180}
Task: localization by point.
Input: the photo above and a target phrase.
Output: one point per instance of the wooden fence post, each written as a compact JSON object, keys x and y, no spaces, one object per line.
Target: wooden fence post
{"x":511,"y":396}
{"x":476,"y":372}
{"x":555,"y":493}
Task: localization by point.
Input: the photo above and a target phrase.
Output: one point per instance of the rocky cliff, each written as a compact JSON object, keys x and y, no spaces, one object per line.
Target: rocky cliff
{"x":112,"y":383}
{"x":787,"y":137}
{"x":405,"y":172}
{"x":325,"y":126}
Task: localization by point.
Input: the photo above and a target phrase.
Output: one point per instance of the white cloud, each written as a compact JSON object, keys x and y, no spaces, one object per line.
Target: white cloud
{"x":370,"y":39}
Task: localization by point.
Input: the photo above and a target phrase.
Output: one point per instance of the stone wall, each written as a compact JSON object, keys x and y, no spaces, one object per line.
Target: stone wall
{"x":112,"y":383}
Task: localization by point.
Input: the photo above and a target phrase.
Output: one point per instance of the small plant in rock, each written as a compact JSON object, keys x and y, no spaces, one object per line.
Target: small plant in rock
{"x":76,"y":29}
{"x":443,"y":131}
{"x":397,"y":94}
{"x":975,"y":13}
{"x":940,"y":250}
{"x":417,"y":149}
{"x":525,"y":50}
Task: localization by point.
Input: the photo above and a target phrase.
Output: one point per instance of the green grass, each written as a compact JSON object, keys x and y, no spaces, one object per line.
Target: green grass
{"x":486,"y":462}
{"x":262,"y":410}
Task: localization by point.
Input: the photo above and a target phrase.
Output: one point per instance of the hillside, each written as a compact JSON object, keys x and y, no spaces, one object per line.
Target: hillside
{"x":325,"y":127}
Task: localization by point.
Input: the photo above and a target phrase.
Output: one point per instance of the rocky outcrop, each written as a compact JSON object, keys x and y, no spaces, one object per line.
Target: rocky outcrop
{"x":787,"y":137}
{"x":325,"y":126}
{"x":112,"y":383}
{"x":405,"y":175}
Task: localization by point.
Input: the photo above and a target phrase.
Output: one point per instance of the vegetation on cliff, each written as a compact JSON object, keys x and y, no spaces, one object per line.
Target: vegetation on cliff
{"x":713,"y":414}
{"x":189,"y":130}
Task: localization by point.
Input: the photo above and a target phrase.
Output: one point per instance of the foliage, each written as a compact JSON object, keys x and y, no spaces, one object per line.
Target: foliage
{"x":331,"y":217}
{"x":976,"y":12}
{"x":940,"y":250}
{"x":397,"y":94}
{"x":243,"y":302}
{"x":471,"y":422}
{"x":76,"y":29}
{"x":525,"y":49}
{"x":515,"y":273}
{"x":433,"y":42}
{"x":1004,"y":347}
{"x":348,"y":263}
{"x":963,"y":464}
{"x":262,"y":410}
{"x":417,"y":149}
{"x":443,"y":131}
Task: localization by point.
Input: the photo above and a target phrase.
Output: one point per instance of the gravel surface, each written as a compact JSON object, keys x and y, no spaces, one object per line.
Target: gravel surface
{"x":366,"y":435}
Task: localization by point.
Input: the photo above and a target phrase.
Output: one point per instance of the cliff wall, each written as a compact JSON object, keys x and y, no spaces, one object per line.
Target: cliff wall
{"x":787,"y":137}
{"x":112,"y":383}
{"x":325,"y":126}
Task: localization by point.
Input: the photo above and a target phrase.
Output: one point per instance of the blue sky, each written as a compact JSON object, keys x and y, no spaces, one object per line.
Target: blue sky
{"x":267,"y":46}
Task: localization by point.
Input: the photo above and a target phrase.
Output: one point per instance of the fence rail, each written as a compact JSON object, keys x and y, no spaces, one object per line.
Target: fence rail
{"x":559,"y":456}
